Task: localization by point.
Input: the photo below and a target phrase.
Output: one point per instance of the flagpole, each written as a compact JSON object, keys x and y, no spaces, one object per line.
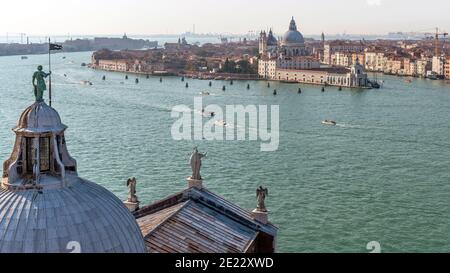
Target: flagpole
{"x":50,"y":76}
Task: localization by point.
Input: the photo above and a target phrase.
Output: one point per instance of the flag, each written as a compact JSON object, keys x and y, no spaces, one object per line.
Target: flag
{"x":56,"y":47}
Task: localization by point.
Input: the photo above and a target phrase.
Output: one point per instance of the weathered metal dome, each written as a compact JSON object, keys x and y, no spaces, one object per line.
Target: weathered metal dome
{"x":51,"y":220}
{"x":39,"y":117}
{"x":46,"y":208}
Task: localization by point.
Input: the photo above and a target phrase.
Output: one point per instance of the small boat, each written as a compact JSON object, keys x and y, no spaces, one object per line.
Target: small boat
{"x":408,"y":81}
{"x":299,"y":90}
{"x":64,"y":57}
{"x":329,"y":122}
{"x":231,"y":82}
{"x":220,"y":123}
{"x":205,"y":93}
{"x":137,"y":80}
{"x":210,"y":84}
{"x":224,"y":88}
{"x":86,"y":82}
{"x":104,"y":78}
{"x":207,"y":114}
{"x":24,"y":57}
{"x":248,"y":86}
{"x":268,"y":85}
{"x":187,"y":85}
{"x":126,"y":77}
{"x":323,"y":89}
{"x":275,"y":92}
{"x":83,"y":64}
{"x":340,"y":88}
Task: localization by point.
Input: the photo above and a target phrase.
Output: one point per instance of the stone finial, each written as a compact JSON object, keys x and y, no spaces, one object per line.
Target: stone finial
{"x":132,"y":202}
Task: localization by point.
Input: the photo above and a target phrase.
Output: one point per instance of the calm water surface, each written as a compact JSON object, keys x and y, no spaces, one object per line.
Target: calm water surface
{"x":382,"y":174}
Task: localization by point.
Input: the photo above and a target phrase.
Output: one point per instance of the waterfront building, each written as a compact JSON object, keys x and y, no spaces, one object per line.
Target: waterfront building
{"x":336,"y":76}
{"x":423,"y":65}
{"x":438,"y":64}
{"x":392,"y":64}
{"x":114,"y":65}
{"x":447,"y":68}
{"x":46,"y":207}
{"x":374,"y":61}
{"x":332,"y":47}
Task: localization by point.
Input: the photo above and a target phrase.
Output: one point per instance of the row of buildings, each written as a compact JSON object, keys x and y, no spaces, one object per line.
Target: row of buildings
{"x":401,"y":58}
{"x":344,"y":62}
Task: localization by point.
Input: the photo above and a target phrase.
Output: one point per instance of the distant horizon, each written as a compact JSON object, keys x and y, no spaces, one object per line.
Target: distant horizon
{"x":174,"y":17}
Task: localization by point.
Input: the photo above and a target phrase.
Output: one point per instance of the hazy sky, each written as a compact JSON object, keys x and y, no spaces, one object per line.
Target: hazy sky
{"x":43,"y":17}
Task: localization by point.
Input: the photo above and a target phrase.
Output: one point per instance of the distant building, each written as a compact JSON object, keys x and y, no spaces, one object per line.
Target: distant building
{"x":114,"y":65}
{"x":337,"y":76}
{"x":333,"y":47}
{"x":438,"y":64}
{"x":374,"y":61}
{"x":290,"y":60}
{"x":447,"y":68}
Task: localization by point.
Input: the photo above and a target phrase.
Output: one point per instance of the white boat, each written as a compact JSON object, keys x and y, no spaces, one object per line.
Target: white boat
{"x":206,"y":114}
{"x":329,"y":122}
{"x":205,"y":93}
{"x":86,"y":82}
{"x":220,"y":123}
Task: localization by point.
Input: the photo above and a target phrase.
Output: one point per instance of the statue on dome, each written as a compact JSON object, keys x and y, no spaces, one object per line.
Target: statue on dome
{"x":196,"y":164}
{"x":261,"y":194}
{"x":39,"y":83}
{"x":131,"y":184}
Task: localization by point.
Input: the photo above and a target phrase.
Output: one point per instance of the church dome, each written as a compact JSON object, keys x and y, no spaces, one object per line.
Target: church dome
{"x":271,"y":40}
{"x":45,"y":207}
{"x":293,"y":36}
{"x":50,"y":220}
{"x":39,"y":117}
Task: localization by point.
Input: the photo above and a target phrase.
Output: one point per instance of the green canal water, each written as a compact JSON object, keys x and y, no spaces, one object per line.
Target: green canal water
{"x":381,"y":175}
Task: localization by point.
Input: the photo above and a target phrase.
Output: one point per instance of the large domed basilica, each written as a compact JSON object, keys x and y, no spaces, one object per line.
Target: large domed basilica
{"x":292,"y":43}
{"x":45,"y":207}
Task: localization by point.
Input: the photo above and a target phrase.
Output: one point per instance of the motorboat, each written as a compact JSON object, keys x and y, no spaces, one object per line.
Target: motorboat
{"x":220,"y":123}
{"x":86,"y":82}
{"x":329,"y":122}
{"x":24,"y":57}
{"x":207,"y":114}
{"x":205,"y":93}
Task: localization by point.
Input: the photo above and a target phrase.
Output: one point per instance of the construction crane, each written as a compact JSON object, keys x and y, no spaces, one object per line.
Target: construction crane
{"x":437,"y":48}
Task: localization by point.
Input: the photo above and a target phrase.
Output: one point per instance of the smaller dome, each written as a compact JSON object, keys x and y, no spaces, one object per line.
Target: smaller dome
{"x":39,"y":118}
{"x":293,"y":36}
{"x":271,"y":40}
